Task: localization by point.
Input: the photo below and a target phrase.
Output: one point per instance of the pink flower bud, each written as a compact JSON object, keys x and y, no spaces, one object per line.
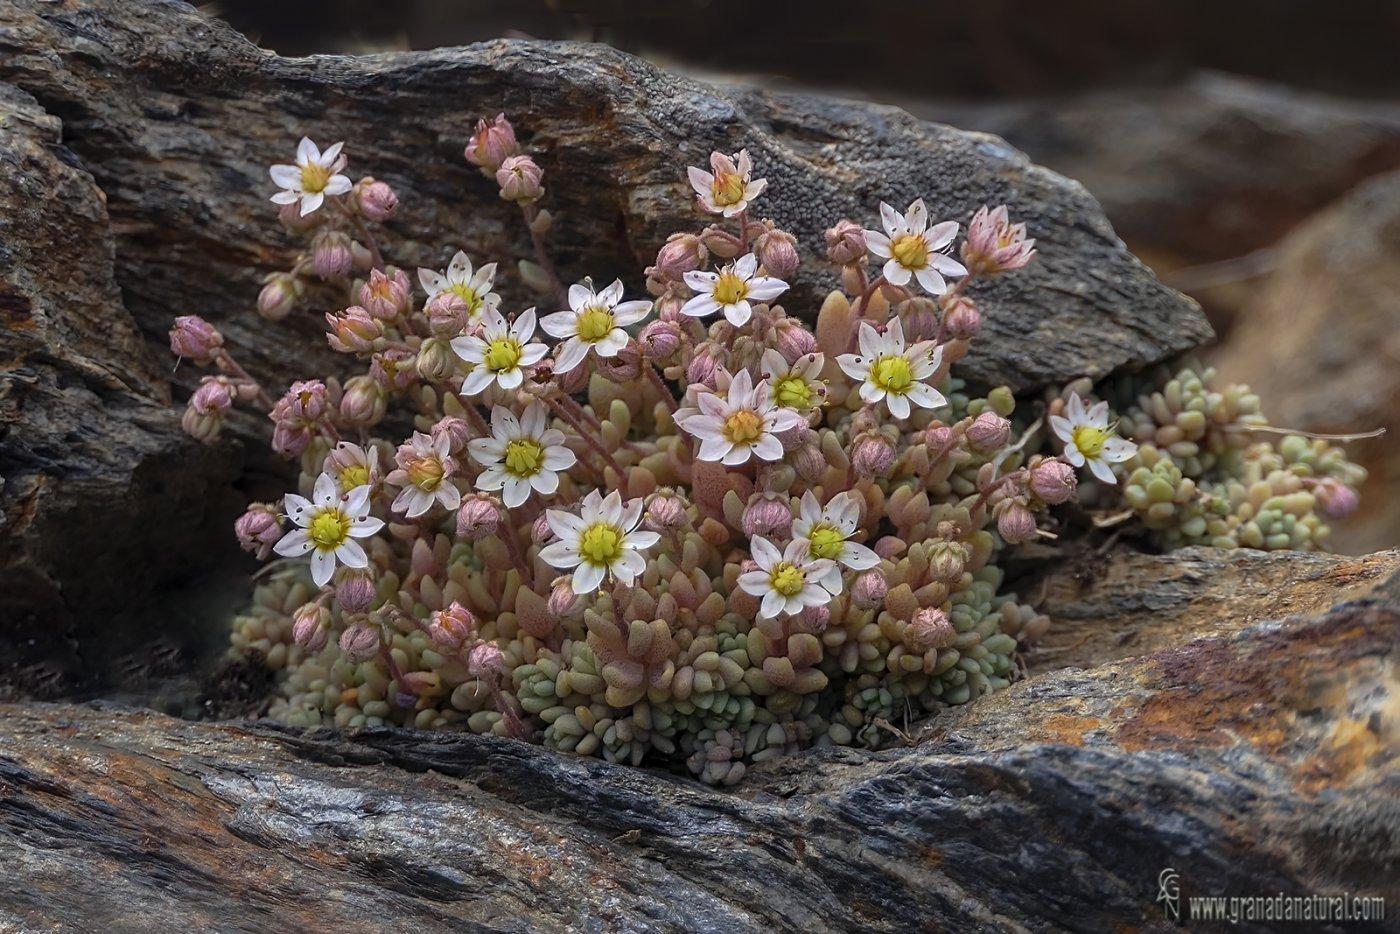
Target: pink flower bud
{"x":624,"y":367}
{"x":297,"y":416}
{"x":375,"y":200}
{"x":291,"y":217}
{"x":1015,"y":523}
{"x":869,"y":590}
{"x":938,"y":438}
{"x":768,"y":516}
{"x":310,"y":627}
{"x":214,"y":394}
{"x":704,"y":367}
{"x":457,"y":430}
{"x":393,"y":369}
{"x":995,"y":245}
{"x":682,"y":253}
{"x":258,"y":529}
{"x":194,"y":338}
{"x":809,"y":462}
{"x":1335,"y":499}
{"x":492,"y":144}
{"x":1052,"y":481}
{"x":447,"y":314}
{"x":947,"y":561}
{"x":203,"y":426}
{"x":354,"y":589}
{"x":872,"y":455}
{"x":793,"y":340}
{"x":813,"y":620}
{"x":519,"y":178}
{"x":665,"y":512}
{"x":919,"y":317}
{"x":988,"y":432}
{"x":660,"y":340}
{"x":478,"y":518}
{"x":331,"y":256}
{"x":364,"y":402}
{"x":777,"y":251}
{"x":722,"y":243}
{"x":436,"y":362}
{"x":845,"y":243}
{"x":279,"y":296}
{"x":452,"y":627}
{"x":359,"y":642}
{"x":387,"y":294}
{"x":930,"y":629}
{"x":563,"y":602}
{"x":354,"y":330}
{"x":486,"y":662}
{"x":962,"y":320}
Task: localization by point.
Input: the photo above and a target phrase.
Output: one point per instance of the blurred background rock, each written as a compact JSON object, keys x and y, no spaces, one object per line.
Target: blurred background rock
{"x":1247,"y":150}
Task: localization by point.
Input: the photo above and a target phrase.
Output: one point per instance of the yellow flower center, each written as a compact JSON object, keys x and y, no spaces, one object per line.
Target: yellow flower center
{"x":503,"y":354}
{"x":353,"y":476}
{"x":787,"y":579}
{"x":468,"y":296}
{"x":314,"y":178}
{"x":426,"y":473}
{"x":910,"y":251}
{"x":601,"y":544}
{"x":728,"y":189}
{"x":793,"y":392}
{"x":730,"y":289}
{"x":892,"y":374}
{"x":743,"y":427}
{"x":1090,"y":440}
{"x":524,"y":457}
{"x":329,"y":529}
{"x":827,"y":541}
{"x":594,"y":324}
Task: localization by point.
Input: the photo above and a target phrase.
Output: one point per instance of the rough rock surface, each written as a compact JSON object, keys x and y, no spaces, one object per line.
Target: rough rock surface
{"x":1253,"y":753}
{"x":134,"y":144}
{"x":1332,"y":308}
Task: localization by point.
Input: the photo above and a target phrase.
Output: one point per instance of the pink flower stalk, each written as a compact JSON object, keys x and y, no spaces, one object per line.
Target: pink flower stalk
{"x":194,"y":338}
{"x":520,"y":178}
{"x":492,"y":144}
{"x":994,"y":244}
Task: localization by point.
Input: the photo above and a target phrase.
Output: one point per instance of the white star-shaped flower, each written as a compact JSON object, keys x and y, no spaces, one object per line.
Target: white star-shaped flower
{"x":890,"y":371}
{"x":473,"y":288}
{"x":732,"y":290}
{"x":601,"y":540}
{"x":501,"y":352}
{"x":729,"y":187}
{"x":521,"y":454}
{"x":827,"y":533}
{"x":425,"y":469}
{"x":912,"y":250}
{"x":1090,"y":439}
{"x":315,"y":176}
{"x":795,"y":385}
{"x":328,"y":525}
{"x":740,"y":423}
{"x":788,"y":581}
{"x":594,"y":321}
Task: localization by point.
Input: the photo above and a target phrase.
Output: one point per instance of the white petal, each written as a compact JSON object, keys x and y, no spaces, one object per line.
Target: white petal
{"x":745,"y":266}
{"x":858,"y":558}
{"x":322,"y":567}
{"x":351,"y":555}
{"x":294,"y":544}
{"x":325,"y":492}
{"x":587,"y":578}
{"x":297,"y":508}
{"x":940,"y":235}
{"x":931,"y":281}
{"x":571,"y":354}
{"x":764,"y":552}
{"x":877,"y":243}
{"x":739,"y":313}
{"x":773,"y":604}
{"x":895,"y":273}
{"x":1102,"y":471}
{"x":560,"y":555}
{"x":765,"y":288}
{"x":899,"y":405}
{"x":701,"y":306}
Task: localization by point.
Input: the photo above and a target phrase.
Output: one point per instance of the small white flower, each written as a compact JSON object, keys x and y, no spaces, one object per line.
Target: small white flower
{"x":602,"y":539}
{"x":731,"y":290}
{"x":473,"y":288}
{"x":328,"y":526}
{"x":827,"y":533}
{"x":521,"y":454}
{"x":890,"y":371}
{"x":352,"y":465}
{"x":316,"y":175}
{"x":911,"y":249}
{"x":425,"y":469}
{"x":788,"y":581}
{"x":795,"y":385}
{"x":594,"y":321}
{"x":500,"y":353}
{"x":730,"y":187}
{"x":1089,"y":438}
{"x":743,"y":422}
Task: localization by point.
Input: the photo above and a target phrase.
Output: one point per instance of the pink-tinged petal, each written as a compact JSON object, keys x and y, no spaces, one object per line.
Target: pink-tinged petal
{"x":294,"y":544}
{"x":325,"y":492}
{"x":735,"y":209}
{"x":941,"y":235}
{"x":785,"y":420}
{"x":764,"y":552}
{"x":946,"y":264}
{"x":322,"y":567}
{"x":285,"y":197}
{"x":357,"y":501}
{"x":739,"y":313}
{"x":740,"y":389}
{"x":925,"y":396}
{"x":714,"y":449}
{"x":1062,"y":428}
{"x":477,"y":380}
{"x":338,"y":185}
{"x":571,"y":354}
{"x":307,"y":151}
{"x":629,"y":313}
{"x":364,"y":528}
{"x":560,"y":555}
{"x":931,"y":281}
{"x":560,"y":324}
{"x":766,"y":288}
{"x":871,"y":393}
{"x":432,"y":282}
{"x":705,"y":427}
{"x":587,"y":578}
{"x":1072,"y":455}
{"x":895,"y":273}
{"x":891,"y":219}
{"x":514,"y":492}
{"x":352,"y":555}
{"x":703,"y":182}
{"x":858,"y":558}
{"x":768,"y":448}
{"x":745,"y":266}
{"x":449,"y":497}
{"x":753,"y":582}
{"x":877,"y":243}
{"x":899,"y":405}
{"x":611,"y":295}
{"x":701,"y":306}
{"x":917,"y":216}
{"x":755,"y":188}
{"x":738,"y":454}
{"x":1101,"y":470}
{"x":310,"y":203}
{"x":1098,"y":415}
{"x":1075,"y":409}
{"x":331,"y":153}
{"x":855,"y":367}
{"x":869,"y":340}
{"x":297,"y":508}
{"x":772,"y":605}
{"x":534,"y":420}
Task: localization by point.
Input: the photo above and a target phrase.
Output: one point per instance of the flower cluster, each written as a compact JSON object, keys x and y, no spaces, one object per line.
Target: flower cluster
{"x":687,"y":524}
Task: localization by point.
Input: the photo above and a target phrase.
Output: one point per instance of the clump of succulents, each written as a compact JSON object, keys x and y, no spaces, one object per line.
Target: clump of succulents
{"x":688,"y":526}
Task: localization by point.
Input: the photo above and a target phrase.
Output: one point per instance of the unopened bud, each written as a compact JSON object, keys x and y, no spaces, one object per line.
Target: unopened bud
{"x":665,"y":512}
{"x":279,"y":296}
{"x":1015,"y":523}
{"x":1052,"y":481}
{"x":363,"y":403}
{"x":869,"y":590}
{"x":478,"y":518}
{"x":704,"y":367}
{"x":519,"y":178}
{"x":447,"y":313}
{"x":354,"y":330}
{"x":453,"y":627}
{"x":195,"y":339}
{"x":809,"y":462}
{"x":872,"y":455}
{"x":814,"y":620}
{"x":258,"y":529}
{"x":1335,"y":499}
{"x":486,"y":662}
{"x":331,"y":256}
{"x":291,"y":217}
{"x":563,"y":602}
{"x":457,"y":430}
{"x":359,"y":642}
{"x":682,"y":253}
{"x":394,"y":369}
{"x":374,"y":199}
{"x":919,"y":317}
{"x":310,"y":627}
{"x":962,"y":320}
{"x":777,"y":251}
{"x":354,"y":589}
{"x":492,"y":144}
{"x":722,"y":243}
{"x":930,"y":629}
{"x":845,"y":243}
{"x":988,"y":432}
{"x":768,"y":516}
{"x":437,"y":362}
{"x":624,"y":367}
{"x":793,"y":340}
{"x":660,"y":340}
{"x":386,"y":294}
{"x":947,"y":561}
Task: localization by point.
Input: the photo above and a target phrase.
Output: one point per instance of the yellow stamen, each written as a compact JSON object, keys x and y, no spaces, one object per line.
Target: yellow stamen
{"x":353,"y":476}
{"x":524,"y":457}
{"x":730,"y":289}
{"x":787,"y":579}
{"x":601,"y":544}
{"x":793,"y":392}
{"x":314,"y":178}
{"x":426,"y":473}
{"x":827,"y":541}
{"x":743,"y":427}
{"x":467,"y":294}
{"x":503,"y":354}
{"x":728,"y":189}
{"x":329,"y":529}
{"x":910,"y":251}
{"x":594,"y":324}
{"x":1090,"y":440}
{"x":892,"y":374}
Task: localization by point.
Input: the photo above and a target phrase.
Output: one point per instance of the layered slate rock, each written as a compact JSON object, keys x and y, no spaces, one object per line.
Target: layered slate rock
{"x":1252,"y":755}
{"x":135,"y":189}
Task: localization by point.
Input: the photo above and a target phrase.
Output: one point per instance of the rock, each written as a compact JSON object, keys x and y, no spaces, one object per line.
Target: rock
{"x":1251,"y":756}
{"x":137,"y":140}
{"x":1207,"y":168}
{"x":1331,"y":310}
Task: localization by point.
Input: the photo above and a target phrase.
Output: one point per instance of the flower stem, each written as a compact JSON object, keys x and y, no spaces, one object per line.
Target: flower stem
{"x":661,"y":386}
{"x":224,"y":360}
{"x":376,"y":257}
{"x":587,"y":436}
{"x":531,"y":212}
{"x":517,"y":554}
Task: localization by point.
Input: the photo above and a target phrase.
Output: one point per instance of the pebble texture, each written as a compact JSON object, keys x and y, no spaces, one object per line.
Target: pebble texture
{"x":1253,"y":755}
